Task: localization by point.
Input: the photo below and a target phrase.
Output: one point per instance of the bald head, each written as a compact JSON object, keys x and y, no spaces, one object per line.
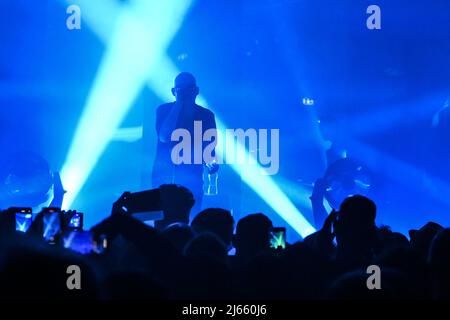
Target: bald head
{"x":185,"y":88}
{"x":184,"y":80}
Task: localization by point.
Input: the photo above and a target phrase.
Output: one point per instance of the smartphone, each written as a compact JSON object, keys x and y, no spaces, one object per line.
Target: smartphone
{"x":144,"y":201}
{"x":278,"y":238}
{"x":51,"y":224}
{"x":83,"y":242}
{"x":23,"y":218}
{"x":73,"y":220}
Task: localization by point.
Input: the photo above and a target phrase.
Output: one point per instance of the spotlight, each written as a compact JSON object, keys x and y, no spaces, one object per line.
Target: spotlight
{"x":308,"y":102}
{"x":26,"y":181}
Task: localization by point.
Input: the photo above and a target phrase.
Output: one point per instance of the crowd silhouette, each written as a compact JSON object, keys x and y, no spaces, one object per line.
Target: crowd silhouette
{"x":178,"y":260}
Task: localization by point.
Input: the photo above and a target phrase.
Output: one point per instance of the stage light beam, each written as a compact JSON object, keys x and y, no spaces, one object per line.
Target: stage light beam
{"x":141,"y":35}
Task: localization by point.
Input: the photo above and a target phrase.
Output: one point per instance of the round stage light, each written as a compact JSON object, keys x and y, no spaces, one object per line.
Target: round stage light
{"x":25,"y":181}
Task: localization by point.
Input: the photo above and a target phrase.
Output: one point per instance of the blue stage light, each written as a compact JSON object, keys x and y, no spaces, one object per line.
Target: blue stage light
{"x":308,"y":101}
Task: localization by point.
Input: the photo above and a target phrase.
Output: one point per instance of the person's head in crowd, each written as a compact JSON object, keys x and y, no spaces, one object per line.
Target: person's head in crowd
{"x":176,"y":202}
{"x":206,"y":268}
{"x":252,"y":235}
{"x":206,"y":245}
{"x":421,"y":239}
{"x":387,"y":239}
{"x":217,"y":221}
{"x":439,"y":261}
{"x":355,"y":227}
{"x":179,"y":234}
